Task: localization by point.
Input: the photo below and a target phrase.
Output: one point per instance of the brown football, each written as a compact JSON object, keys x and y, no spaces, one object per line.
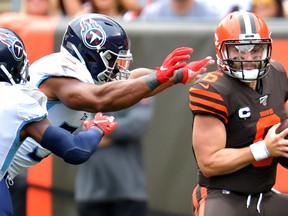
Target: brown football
{"x":282,"y":160}
{"x":282,"y":127}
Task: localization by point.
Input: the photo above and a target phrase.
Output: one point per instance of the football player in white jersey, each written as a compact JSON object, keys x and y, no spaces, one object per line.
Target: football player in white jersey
{"x":23,"y":114}
{"x":90,"y":74}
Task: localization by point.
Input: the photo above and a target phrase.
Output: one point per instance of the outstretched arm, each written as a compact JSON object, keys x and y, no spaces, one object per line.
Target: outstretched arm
{"x":185,"y":75}
{"x":115,"y":95}
{"x":74,"y":149}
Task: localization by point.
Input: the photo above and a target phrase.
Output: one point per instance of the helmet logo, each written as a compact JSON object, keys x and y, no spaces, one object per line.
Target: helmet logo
{"x":14,"y":45}
{"x":92,"y":34}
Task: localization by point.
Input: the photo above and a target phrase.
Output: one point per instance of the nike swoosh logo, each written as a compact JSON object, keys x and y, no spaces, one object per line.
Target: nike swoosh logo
{"x":205,"y":86}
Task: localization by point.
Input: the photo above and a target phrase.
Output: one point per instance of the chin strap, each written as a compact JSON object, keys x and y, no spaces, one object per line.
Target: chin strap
{"x":259,"y":86}
{"x":7,"y":74}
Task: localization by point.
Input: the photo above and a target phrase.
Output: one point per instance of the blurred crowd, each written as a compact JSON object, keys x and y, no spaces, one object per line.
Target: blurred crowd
{"x":147,"y":10}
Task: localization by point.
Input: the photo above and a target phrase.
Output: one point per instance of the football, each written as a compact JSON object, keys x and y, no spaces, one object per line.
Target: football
{"x":282,"y":160}
{"x":282,"y":127}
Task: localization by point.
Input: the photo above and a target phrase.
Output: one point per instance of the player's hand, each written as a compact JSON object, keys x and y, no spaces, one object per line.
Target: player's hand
{"x":173,"y":61}
{"x":191,"y":71}
{"x":105,"y":123}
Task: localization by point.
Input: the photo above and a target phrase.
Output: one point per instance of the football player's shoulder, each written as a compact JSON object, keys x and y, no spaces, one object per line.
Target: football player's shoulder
{"x":210,"y":81}
{"x":9,"y":93}
{"x":47,"y":63}
{"x":51,"y":65}
{"x":207,"y":95}
{"x":28,"y":103}
{"x":46,"y":60}
{"x":277,"y":66}
{"x":31,"y":103}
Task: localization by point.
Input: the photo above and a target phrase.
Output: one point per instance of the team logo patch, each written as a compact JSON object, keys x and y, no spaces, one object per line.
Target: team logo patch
{"x":92,"y":34}
{"x":263,"y":100}
{"x":14,"y":45}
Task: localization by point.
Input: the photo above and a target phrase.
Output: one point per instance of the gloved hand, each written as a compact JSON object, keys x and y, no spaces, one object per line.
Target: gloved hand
{"x":190,"y":72}
{"x":105,"y":123}
{"x":173,"y":62}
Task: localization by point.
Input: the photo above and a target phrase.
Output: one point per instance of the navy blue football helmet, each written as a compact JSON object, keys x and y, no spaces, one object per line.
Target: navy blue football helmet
{"x":13,"y":61}
{"x":101,"y":44}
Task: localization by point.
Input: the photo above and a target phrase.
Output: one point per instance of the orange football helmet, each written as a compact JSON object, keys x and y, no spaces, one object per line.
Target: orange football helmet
{"x":247,"y":35}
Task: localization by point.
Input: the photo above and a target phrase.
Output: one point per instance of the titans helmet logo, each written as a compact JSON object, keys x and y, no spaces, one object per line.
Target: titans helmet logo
{"x":92,"y":34}
{"x":14,"y":45}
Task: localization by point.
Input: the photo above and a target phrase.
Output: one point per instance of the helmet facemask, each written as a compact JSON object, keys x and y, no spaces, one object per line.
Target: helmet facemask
{"x":243,"y":46}
{"x":19,"y":75}
{"x":116,"y":65}
{"x":246,"y":60}
{"x":24,"y":70}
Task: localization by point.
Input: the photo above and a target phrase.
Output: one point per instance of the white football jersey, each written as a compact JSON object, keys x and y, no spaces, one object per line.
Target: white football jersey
{"x":56,"y":64}
{"x":20,"y":104}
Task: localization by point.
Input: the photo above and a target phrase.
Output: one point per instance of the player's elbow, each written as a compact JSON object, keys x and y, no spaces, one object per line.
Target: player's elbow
{"x":76,"y":156}
{"x":207,"y":170}
{"x":206,"y":173}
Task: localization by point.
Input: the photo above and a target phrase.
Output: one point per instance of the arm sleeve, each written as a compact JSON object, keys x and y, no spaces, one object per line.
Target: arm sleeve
{"x":74,"y":149}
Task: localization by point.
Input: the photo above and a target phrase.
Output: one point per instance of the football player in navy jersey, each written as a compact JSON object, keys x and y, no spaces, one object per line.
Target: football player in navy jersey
{"x":23,"y":114}
{"x":236,"y":111}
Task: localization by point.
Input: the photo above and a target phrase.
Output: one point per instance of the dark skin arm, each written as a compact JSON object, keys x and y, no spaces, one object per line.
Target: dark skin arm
{"x":111,"y":96}
{"x":36,"y":130}
{"x":117,"y":95}
{"x":145,"y":71}
{"x":105,"y":141}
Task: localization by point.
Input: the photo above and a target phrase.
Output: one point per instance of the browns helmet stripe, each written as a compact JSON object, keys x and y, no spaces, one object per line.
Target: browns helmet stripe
{"x":247,"y":23}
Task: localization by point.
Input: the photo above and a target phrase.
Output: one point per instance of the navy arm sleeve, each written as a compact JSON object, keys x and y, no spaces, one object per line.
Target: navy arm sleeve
{"x":74,"y":149}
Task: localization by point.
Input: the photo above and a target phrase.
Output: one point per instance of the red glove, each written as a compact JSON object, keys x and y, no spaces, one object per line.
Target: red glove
{"x":191,"y":71}
{"x":105,"y":123}
{"x":172,"y":63}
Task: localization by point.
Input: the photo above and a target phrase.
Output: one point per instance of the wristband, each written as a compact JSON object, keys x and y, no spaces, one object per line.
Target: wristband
{"x":152,"y":81}
{"x":259,"y":150}
{"x":179,"y":75}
